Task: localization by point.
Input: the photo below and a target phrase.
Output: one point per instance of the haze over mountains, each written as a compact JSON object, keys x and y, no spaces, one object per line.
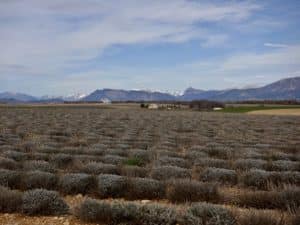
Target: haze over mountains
{"x":284,"y":89}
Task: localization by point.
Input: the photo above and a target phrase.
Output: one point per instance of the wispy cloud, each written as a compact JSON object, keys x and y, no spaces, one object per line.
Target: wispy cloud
{"x":50,"y":34}
{"x":215,"y":40}
{"x":275,"y":45}
{"x":282,"y":57}
{"x":54,"y":44}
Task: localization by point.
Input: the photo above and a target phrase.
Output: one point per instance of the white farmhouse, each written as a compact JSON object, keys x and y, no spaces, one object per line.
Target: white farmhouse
{"x":153,"y":106}
{"x":105,"y":101}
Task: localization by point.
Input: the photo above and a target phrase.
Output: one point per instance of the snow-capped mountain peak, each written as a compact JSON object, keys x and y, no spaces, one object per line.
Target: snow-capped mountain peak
{"x":74,"y":97}
{"x":71,"y":97}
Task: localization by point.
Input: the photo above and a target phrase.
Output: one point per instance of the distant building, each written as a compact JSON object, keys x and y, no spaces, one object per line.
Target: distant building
{"x":217,"y":108}
{"x":105,"y":101}
{"x":153,"y":106}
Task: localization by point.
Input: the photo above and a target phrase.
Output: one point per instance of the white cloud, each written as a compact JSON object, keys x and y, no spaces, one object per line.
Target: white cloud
{"x":53,"y":38}
{"x":240,"y":69}
{"x":262,"y":25}
{"x":289,"y":56}
{"x":48,"y":36}
{"x":215,"y":40}
{"x":275,"y":45}
{"x":232,"y":70}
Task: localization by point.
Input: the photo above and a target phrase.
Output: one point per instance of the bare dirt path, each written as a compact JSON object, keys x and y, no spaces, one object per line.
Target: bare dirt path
{"x":19,"y":219}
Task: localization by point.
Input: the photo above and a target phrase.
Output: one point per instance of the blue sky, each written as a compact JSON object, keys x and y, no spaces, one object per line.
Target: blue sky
{"x":60,"y":47}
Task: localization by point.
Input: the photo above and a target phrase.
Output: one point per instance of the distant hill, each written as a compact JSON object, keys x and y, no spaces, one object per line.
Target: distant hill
{"x":281,"y":90}
{"x":194,"y":94}
{"x":130,"y":95}
{"x":288,"y":88}
{"x":11,"y":96}
{"x":285,"y":89}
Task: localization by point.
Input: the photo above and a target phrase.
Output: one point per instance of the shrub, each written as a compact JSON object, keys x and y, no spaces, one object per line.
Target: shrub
{"x":100,"y":168}
{"x":17,"y":156}
{"x":76,"y":183}
{"x":72,"y":150}
{"x":103,"y":212}
{"x":111,"y":185}
{"x":60,"y":139}
{"x":289,"y":199}
{"x":121,"y":145}
{"x":262,"y":179}
{"x":96,"y":151}
{"x":50,"y":149}
{"x":99,"y":146}
{"x":38,"y":165}
{"x":143,"y":155}
{"x":28,"y":146}
{"x":296,"y":220}
{"x":62,"y":160}
{"x":43,"y":202}
{"x":10,"y":178}
{"x":133,"y":171}
{"x":216,"y":151}
{"x":169,"y":144}
{"x":94,"y":211}
{"x":188,"y":191}
{"x":40,"y":156}
{"x":55,"y":132}
{"x":167,"y":153}
{"x":287,"y":177}
{"x":10,"y":201}
{"x":208,"y":214}
{"x":197,"y":148}
{"x":274,"y":156}
{"x":82,"y":159}
{"x":258,"y":199}
{"x":260,"y":217}
{"x":219,"y":175}
{"x":38,"y":179}
{"x":126,"y":213}
{"x":117,"y":151}
{"x":172,"y":161}
{"x":155,"y":214}
{"x":123,"y":213}
{"x":9,"y":164}
{"x":113,"y":159}
{"x":5,"y":147}
{"x":251,"y":153}
{"x":133,"y":162}
{"x":284,"y":165}
{"x":143,"y":105}
{"x":145,"y":188}
{"x":247,"y":164}
{"x":210,"y":162}
{"x":194,"y":155}
{"x":169,"y":172}
{"x":256,"y":178}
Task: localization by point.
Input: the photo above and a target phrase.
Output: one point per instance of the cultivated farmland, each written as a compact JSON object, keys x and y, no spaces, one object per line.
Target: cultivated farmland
{"x":89,"y":164}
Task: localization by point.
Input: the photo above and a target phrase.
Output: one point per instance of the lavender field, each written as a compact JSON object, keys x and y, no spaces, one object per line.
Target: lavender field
{"x":136,"y":166}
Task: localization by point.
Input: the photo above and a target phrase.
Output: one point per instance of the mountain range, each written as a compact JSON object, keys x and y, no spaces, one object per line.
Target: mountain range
{"x":285,"y":89}
{"x":128,"y":95}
